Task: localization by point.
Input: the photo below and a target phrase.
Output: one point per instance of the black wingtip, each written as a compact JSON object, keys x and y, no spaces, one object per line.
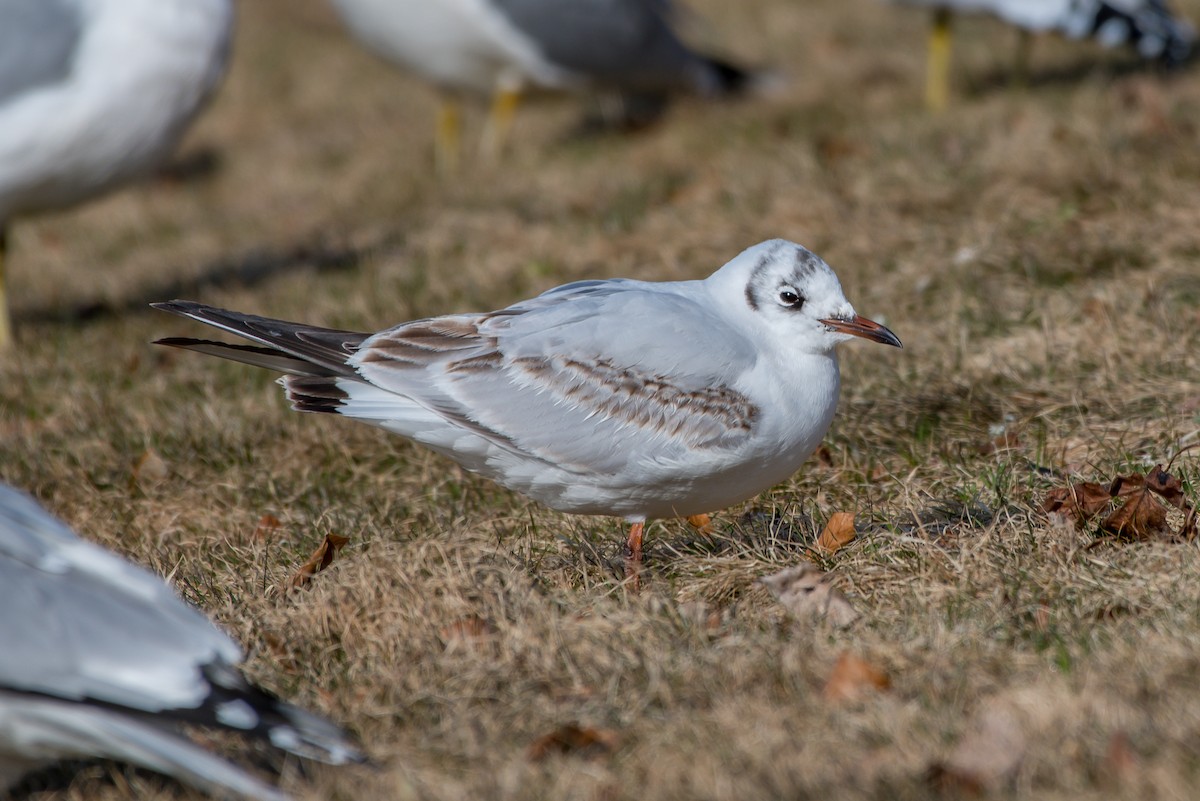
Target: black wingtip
{"x":732,"y":79}
{"x":728,"y":79}
{"x":174,"y":342}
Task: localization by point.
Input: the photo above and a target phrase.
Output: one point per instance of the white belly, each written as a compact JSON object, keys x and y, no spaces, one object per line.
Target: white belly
{"x":458,"y":44}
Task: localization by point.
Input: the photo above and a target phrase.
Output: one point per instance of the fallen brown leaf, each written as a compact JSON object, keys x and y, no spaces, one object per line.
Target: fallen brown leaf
{"x":987,"y":756}
{"x":804,"y":591}
{"x":1141,"y":517}
{"x":571,"y":738}
{"x":1083,"y":500}
{"x":321,"y":558}
{"x":149,"y":470}
{"x":267,"y":526}
{"x":837,"y":532}
{"x":1161,"y":482}
{"x":1003,"y":442}
{"x":852,"y":678}
{"x":1120,"y":761}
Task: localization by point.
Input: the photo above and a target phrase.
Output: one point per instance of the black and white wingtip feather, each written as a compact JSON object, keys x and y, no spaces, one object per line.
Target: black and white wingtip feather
{"x":100,"y":659}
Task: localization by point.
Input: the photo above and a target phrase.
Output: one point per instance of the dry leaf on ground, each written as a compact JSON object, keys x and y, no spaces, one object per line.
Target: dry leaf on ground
{"x":571,"y":738}
{"x":149,"y":470}
{"x":1082,"y":500}
{"x":987,"y":756}
{"x":1163,"y":483}
{"x":805,"y":592}
{"x":321,"y":558}
{"x":267,"y":525}
{"x":838,"y":532}
{"x":1120,"y":760}
{"x":853,"y":678}
{"x":1141,"y":516}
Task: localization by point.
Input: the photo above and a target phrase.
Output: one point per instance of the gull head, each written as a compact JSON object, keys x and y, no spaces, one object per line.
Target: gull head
{"x":793,"y":294}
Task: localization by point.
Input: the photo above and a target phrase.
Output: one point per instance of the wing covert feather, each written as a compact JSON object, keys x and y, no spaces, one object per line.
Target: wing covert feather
{"x":592,"y":377}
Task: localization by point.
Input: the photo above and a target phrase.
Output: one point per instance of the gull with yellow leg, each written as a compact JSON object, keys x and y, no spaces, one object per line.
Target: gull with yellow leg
{"x":502,"y":49}
{"x":1151,"y":27}
{"x":96,"y":94}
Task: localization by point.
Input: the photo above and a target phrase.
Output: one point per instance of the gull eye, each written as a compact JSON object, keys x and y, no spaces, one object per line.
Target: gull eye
{"x":790,"y":298}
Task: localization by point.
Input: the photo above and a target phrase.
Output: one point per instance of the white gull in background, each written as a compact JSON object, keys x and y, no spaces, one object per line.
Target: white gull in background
{"x":500,"y":48}
{"x":96,"y":93}
{"x":629,"y":398}
{"x":1151,"y":27}
{"x":100,"y":660}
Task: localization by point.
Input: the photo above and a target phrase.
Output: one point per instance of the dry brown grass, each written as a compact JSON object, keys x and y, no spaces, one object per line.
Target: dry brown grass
{"x":1035,"y":249}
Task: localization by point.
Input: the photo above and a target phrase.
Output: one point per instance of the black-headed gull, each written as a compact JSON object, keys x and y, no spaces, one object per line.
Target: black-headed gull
{"x":500,"y":48}
{"x":96,"y":93}
{"x":629,"y":398}
{"x":1150,"y":26}
{"x":100,"y":659}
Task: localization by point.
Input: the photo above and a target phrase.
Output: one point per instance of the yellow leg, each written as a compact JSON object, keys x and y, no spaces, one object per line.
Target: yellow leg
{"x":937,"y":73}
{"x":499,"y":124}
{"x":448,"y":138}
{"x":6,"y":335}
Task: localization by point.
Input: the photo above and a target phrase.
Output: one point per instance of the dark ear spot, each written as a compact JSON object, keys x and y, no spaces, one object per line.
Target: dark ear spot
{"x":805,"y":263}
{"x":751,"y":301}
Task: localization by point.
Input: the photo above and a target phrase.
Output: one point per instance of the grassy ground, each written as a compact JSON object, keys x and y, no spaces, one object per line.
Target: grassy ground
{"x":1035,"y":248}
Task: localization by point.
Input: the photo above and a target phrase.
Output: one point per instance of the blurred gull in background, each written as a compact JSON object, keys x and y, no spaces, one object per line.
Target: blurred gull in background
{"x":96,"y":93}
{"x":499,"y":48}
{"x":100,"y":660}
{"x":1149,"y":26}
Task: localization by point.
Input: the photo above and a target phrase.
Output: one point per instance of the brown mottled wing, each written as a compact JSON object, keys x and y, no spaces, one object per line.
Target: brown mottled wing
{"x":589,"y":379}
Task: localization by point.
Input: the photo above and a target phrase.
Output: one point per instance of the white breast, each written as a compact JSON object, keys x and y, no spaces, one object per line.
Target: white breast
{"x":458,"y":44}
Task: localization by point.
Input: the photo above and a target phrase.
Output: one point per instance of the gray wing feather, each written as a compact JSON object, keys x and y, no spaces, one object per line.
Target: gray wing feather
{"x":38,"y":39}
{"x":529,"y":378}
{"x":81,"y":622}
{"x":569,"y":388}
{"x":622,"y":43}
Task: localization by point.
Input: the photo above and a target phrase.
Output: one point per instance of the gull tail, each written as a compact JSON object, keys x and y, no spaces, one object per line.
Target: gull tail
{"x":313,"y":360}
{"x":290,"y":348}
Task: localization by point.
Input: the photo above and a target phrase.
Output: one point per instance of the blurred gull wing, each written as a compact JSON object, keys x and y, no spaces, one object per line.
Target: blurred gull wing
{"x":85,"y":623}
{"x":100,"y":659}
{"x":38,"y":41}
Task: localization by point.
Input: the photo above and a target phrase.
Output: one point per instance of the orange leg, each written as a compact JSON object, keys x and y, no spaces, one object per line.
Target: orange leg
{"x":633,"y":554}
{"x":702,"y":523}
